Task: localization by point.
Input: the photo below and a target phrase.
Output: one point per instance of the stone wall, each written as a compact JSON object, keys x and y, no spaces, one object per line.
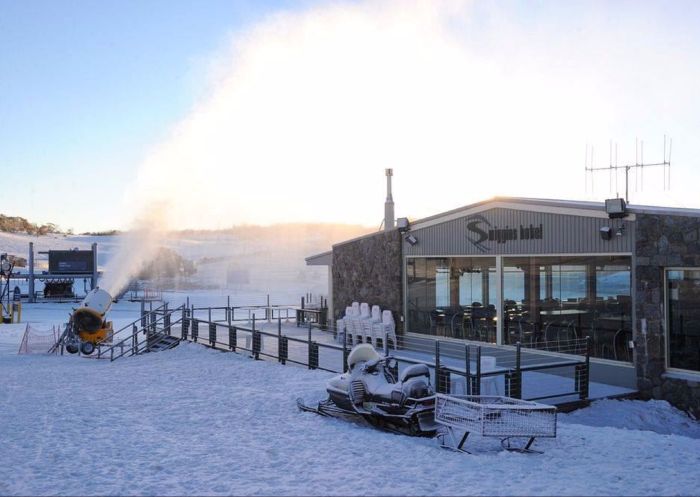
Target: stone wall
{"x":369,"y":269}
{"x":662,"y":241}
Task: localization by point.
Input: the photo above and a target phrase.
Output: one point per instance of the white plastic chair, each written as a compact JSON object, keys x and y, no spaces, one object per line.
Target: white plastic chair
{"x":488,"y":364}
{"x":368,"y":325}
{"x":387,"y":328}
{"x":342,"y":326}
{"x":362,"y":322}
{"x":352,"y":324}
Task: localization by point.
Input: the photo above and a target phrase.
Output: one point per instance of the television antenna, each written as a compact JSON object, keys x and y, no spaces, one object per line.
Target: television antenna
{"x":638,"y":165}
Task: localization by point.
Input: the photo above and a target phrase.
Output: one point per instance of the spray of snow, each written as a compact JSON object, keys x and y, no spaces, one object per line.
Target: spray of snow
{"x":330,"y":96}
{"x":138,"y":246}
{"x":334,"y":94}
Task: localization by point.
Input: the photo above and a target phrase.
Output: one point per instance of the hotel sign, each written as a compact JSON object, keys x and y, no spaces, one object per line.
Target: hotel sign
{"x":481,"y":231}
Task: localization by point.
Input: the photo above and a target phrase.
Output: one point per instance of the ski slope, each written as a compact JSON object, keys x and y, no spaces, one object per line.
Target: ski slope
{"x":196,"y":421}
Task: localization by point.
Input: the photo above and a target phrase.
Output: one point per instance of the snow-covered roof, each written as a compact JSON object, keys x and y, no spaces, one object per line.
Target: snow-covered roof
{"x":563,"y":204}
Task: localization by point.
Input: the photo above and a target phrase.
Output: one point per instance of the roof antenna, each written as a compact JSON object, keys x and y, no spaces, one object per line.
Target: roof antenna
{"x":637,"y":168}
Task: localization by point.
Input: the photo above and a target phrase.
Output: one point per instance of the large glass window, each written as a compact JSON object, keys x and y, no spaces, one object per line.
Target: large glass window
{"x":683,"y":314}
{"x":547,"y":301}
{"x":452,"y":297}
{"x":551,"y":301}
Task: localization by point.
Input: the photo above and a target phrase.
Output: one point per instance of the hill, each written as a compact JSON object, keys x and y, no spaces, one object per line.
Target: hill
{"x":16,"y":224}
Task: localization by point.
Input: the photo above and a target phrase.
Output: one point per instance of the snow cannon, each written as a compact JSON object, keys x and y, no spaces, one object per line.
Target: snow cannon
{"x":88,"y":321}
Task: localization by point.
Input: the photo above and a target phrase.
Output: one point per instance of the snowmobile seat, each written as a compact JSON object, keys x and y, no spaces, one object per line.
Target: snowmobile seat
{"x":363,"y":352}
{"x":415,"y":371}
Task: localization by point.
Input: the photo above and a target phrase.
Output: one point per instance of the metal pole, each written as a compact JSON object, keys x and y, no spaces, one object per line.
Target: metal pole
{"x":31,"y":272}
{"x":437,"y":366}
{"x":279,"y":339}
{"x":518,"y":373}
{"x":309,"y":357}
{"x":467,"y":368}
{"x":478,"y":370}
{"x":93,"y":281}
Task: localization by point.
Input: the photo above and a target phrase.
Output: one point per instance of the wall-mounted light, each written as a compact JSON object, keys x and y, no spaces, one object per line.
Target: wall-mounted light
{"x":616,"y":208}
{"x":606,"y":233}
{"x":412,"y":240}
{"x":402,"y":224}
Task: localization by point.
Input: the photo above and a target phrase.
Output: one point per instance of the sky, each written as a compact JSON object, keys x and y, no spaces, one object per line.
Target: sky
{"x":214,"y":113}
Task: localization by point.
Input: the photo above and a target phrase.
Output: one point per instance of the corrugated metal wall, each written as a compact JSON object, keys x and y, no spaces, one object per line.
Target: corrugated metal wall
{"x":560,"y":234}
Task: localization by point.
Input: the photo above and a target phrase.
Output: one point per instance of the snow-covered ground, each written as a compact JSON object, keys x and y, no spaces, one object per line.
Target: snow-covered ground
{"x":197,"y":421}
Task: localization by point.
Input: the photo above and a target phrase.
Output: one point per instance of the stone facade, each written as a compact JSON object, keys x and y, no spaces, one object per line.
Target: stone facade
{"x":662,"y":241}
{"x":369,"y":269}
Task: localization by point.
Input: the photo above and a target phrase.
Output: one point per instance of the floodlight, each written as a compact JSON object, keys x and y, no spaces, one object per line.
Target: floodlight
{"x":616,"y":207}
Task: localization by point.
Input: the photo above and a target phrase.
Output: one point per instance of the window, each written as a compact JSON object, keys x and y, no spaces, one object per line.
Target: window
{"x":683,"y":318}
{"x":442,"y":286}
{"x":441,"y":293}
{"x":550,"y":301}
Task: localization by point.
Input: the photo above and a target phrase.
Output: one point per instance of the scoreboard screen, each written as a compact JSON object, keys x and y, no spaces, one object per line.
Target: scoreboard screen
{"x":70,"y":262}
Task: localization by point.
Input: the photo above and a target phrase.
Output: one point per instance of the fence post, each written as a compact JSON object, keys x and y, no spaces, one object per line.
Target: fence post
{"x":280,"y":347}
{"x":228,"y":309}
{"x":442,"y":375}
{"x":210,"y":314}
{"x":313,"y":355}
{"x":344,"y":368}
{"x":582,"y":374}
{"x":195,"y":330}
{"x":257,"y":345}
{"x":476,"y":388}
{"x":467,"y":369}
{"x":232,"y":338}
{"x":134,"y":340}
{"x":437,"y":367}
{"x":185,"y":323}
{"x":212,"y":334}
{"x":323,"y":317}
{"x":385,"y":344}
{"x":309,"y":342}
{"x":267,"y":309}
{"x":143,"y":313}
{"x":513,"y":378}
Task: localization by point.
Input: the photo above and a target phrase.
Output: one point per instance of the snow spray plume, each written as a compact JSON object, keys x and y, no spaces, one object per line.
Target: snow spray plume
{"x":137,"y":248}
{"x":342,"y":90}
{"x":332,"y":95}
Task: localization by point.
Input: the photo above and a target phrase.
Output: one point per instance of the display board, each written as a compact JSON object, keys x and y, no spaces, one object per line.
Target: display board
{"x":71,"y":262}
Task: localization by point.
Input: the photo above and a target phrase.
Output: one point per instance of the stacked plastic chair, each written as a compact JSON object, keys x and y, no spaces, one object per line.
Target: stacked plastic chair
{"x":363,"y":322}
{"x":342,"y":326}
{"x":352,"y":325}
{"x":386,"y":328}
{"x":368,"y":324}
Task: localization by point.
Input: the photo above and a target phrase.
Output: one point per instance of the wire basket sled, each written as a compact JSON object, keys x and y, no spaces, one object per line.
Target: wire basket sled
{"x":493,"y":416}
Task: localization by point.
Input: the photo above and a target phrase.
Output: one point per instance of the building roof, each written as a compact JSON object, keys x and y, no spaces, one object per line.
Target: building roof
{"x":322,"y":259}
{"x":570,"y":204}
{"x":580,"y":207}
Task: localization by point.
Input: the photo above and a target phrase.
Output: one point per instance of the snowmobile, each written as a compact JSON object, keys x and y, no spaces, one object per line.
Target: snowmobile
{"x":370,"y":391}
